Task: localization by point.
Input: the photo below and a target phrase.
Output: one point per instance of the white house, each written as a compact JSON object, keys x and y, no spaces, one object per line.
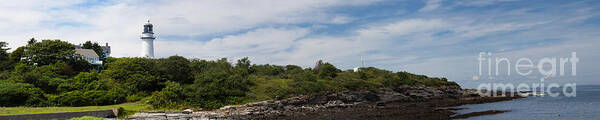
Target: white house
{"x":89,"y":55}
{"x":105,"y":49}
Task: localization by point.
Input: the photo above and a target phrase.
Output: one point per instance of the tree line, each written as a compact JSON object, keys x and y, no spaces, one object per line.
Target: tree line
{"x":46,"y":73}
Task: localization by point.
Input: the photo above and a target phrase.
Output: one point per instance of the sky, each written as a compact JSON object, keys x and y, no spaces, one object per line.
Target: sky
{"x":438,"y":38}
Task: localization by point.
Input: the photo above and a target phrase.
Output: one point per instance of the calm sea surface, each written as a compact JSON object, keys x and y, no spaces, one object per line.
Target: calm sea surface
{"x":585,"y":106}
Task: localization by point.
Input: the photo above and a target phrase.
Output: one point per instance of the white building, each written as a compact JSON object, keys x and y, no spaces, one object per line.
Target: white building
{"x":105,"y":49}
{"x":362,"y":61}
{"x":148,"y":41}
{"x":89,"y":55}
{"x":356,"y":69}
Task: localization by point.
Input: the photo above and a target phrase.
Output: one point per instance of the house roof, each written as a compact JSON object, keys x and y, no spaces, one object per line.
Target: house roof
{"x":86,"y":53}
{"x":105,"y":48}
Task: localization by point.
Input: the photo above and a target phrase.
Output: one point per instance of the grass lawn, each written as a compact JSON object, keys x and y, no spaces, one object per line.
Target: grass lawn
{"x":33,"y":110}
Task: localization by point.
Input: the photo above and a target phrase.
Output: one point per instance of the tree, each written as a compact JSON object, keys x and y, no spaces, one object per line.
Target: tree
{"x":83,"y":81}
{"x":203,"y":66}
{"x":318,"y":66}
{"x":94,"y":46}
{"x":47,"y":77}
{"x":31,"y":41}
{"x":168,"y":97}
{"x":217,"y":88}
{"x":5,"y":64}
{"x":352,"y":81}
{"x":49,"y":52}
{"x":268,"y":70}
{"x":292,"y":68}
{"x":73,"y":98}
{"x":243,"y":66}
{"x":17,"y":54}
{"x":176,"y":68}
{"x":16,"y":94}
{"x":305,"y":82}
{"x":137,"y":74}
{"x":52,"y":51}
{"x":327,"y":71}
{"x":304,"y":76}
{"x":3,"y":51}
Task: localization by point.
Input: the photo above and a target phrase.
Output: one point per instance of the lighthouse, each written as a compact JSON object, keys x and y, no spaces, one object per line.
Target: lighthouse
{"x":148,"y":41}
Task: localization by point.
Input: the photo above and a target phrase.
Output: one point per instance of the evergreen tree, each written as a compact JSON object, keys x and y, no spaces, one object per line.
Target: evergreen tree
{"x":31,"y":41}
{"x":3,"y":51}
{"x":5,"y":64}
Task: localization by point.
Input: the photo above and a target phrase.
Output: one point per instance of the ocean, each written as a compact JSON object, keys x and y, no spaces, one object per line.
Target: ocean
{"x":584,"y":106}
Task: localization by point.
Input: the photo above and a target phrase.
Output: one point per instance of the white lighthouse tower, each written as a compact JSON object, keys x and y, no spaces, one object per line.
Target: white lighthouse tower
{"x":148,"y":41}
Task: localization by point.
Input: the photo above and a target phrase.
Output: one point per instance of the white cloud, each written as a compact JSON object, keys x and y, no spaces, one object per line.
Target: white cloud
{"x":119,"y":22}
{"x":404,"y":27}
{"x":431,"y":5}
{"x":340,"y":19}
{"x":260,"y":44}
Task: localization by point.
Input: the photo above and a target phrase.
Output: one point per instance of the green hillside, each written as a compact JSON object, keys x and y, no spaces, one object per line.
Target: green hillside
{"x":46,"y":74}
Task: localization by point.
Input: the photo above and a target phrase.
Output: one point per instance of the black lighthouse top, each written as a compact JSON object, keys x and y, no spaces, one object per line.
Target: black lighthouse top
{"x":148,"y":27}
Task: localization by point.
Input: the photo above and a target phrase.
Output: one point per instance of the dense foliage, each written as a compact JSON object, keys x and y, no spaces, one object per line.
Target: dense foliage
{"x":45,"y":74}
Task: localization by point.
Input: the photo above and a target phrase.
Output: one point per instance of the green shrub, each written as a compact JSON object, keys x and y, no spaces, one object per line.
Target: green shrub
{"x":16,"y":94}
{"x":306,"y":87}
{"x":327,"y":71}
{"x":162,"y":99}
{"x":352,"y":81}
{"x":135,"y":74}
{"x":134,"y":97}
{"x":93,"y":97}
{"x":72,"y":98}
{"x":167,"y":98}
{"x":269,"y":88}
{"x":175,"y":68}
{"x":102,"y":97}
{"x":216,"y":89}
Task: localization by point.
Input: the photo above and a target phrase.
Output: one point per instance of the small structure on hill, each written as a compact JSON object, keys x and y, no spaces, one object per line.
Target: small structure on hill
{"x":89,"y":55}
{"x":356,"y":69}
{"x":105,"y":49}
{"x":362,"y":61}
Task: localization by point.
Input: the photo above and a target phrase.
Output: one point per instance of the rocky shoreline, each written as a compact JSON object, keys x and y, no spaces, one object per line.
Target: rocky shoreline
{"x":405,"y":102}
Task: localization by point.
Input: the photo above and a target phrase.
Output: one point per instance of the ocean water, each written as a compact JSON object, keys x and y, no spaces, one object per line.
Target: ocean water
{"x":584,"y":106}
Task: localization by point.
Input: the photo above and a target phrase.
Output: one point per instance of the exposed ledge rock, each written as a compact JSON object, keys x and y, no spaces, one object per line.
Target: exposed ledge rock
{"x":319,"y":102}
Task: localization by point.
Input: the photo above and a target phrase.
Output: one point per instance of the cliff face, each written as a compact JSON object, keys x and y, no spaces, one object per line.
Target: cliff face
{"x":347,"y":104}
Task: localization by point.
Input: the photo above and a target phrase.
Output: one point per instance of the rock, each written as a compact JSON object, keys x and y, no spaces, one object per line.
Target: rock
{"x":228,"y":108}
{"x":388,"y":95}
{"x":454,"y":91}
{"x":330,"y":100}
{"x":174,"y":112}
{"x":332,"y":104}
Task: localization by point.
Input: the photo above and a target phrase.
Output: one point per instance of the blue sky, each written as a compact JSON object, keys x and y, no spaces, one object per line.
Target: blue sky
{"x":440,"y":38}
